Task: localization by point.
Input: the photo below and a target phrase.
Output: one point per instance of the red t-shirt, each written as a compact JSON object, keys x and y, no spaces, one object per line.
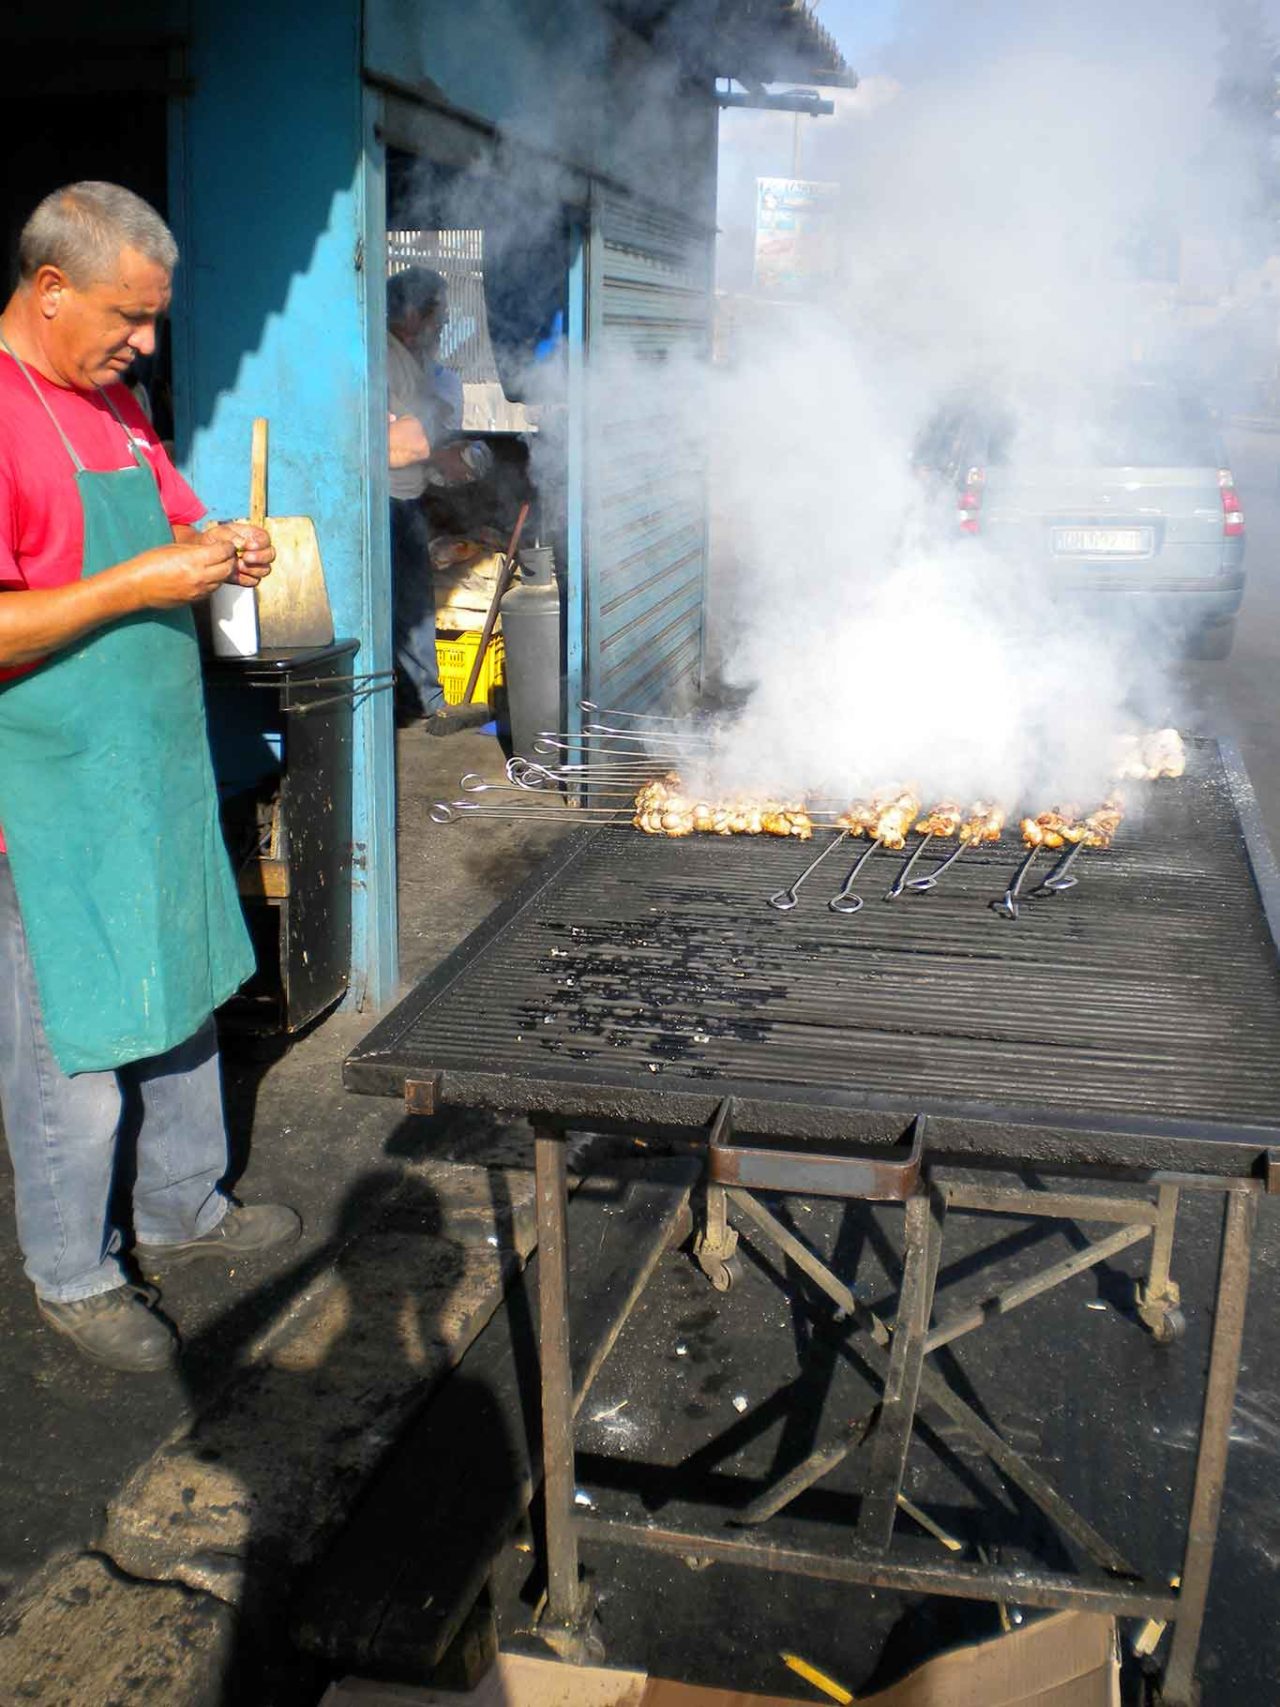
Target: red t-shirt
{"x":41,"y":526}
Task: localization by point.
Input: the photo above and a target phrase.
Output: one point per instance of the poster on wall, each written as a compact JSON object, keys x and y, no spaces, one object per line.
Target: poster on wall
{"x":795,"y":235}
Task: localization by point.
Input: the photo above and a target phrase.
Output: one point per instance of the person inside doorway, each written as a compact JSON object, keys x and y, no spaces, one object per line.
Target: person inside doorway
{"x":424,"y":400}
{"x":120,"y":925}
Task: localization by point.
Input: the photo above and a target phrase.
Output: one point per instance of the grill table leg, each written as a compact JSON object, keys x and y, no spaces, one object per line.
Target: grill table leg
{"x":1159,"y":1295}
{"x":716,"y":1244}
{"x":564,"y":1592}
{"x":922,"y":1242}
{"x":1179,"y":1687}
{"x":937,"y":1392}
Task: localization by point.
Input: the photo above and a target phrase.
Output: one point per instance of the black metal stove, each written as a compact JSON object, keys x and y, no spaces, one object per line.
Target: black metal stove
{"x":1129,"y":1029}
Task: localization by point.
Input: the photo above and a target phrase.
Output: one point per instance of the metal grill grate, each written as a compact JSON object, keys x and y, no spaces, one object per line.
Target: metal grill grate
{"x":1147,"y":998}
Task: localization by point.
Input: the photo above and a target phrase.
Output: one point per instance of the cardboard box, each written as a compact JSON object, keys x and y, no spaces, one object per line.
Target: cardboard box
{"x":1069,"y":1660}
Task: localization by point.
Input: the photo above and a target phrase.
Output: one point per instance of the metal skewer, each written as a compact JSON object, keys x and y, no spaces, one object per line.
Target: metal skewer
{"x":453,"y":811}
{"x":645,"y":734}
{"x":641,"y":771}
{"x":1058,"y":882}
{"x":549,"y":741}
{"x":785,"y":899}
{"x":473,"y":784}
{"x":900,"y":881}
{"x":631,"y":716}
{"x":922,"y":885}
{"x":846,"y":901}
{"x":1007,"y":906}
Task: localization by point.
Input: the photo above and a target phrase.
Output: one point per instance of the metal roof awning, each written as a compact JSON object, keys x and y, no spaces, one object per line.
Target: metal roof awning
{"x":771,"y":41}
{"x":752,"y":41}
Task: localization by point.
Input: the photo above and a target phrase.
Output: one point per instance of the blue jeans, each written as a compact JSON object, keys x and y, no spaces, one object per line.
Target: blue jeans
{"x":413,"y":610}
{"x":63,"y":1137}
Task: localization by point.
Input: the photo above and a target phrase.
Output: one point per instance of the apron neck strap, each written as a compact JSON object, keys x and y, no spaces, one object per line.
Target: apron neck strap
{"x":43,"y":401}
{"x":124,"y":427}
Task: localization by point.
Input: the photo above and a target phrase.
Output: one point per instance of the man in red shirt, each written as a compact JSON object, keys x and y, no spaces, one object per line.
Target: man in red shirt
{"x":120,"y":927}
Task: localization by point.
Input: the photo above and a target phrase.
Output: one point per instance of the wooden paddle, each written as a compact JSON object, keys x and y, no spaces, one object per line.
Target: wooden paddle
{"x":293,"y":601}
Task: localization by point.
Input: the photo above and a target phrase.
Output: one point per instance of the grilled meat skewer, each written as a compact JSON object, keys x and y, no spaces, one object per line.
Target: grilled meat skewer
{"x":662,"y":809}
{"x":1144,"y":758}
{"x":984,"y":824}
{"x":1051,"y":829}
{"x":1098,"y":828}
{"x":944,"y":820}
{"x":886,"y":817}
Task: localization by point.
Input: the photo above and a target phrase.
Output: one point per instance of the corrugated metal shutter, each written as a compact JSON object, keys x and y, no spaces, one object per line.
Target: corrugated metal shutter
{"x":649,"y":303}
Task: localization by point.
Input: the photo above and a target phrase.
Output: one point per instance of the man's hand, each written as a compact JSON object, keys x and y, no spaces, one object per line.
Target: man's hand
{"x":35,"y":623}
{"x":252,"y":546}
{"x":185,"y":573}
{"x":407,"y":441}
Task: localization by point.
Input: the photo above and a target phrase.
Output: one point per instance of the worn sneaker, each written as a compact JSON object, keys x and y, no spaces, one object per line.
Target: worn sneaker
{"x":120,"y":1328}
{"x":244,"y":1231}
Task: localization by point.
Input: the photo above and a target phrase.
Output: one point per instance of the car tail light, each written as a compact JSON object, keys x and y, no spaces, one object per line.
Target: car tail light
{"x":969,"y":503}
{"x":1232,"y":513}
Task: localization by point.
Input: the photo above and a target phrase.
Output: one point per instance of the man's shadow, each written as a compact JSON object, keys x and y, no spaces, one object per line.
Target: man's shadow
{"x":254,"y":1417}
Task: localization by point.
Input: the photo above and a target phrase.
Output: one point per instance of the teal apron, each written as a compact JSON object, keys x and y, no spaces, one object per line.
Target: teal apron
{"x":110,"y":812}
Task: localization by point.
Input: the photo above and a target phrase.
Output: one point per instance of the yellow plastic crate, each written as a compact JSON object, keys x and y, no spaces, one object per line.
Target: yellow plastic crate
{"x":456,"y":653}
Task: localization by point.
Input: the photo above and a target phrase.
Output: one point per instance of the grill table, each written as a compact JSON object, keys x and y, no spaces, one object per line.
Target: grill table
{"x":1128,"y":1033}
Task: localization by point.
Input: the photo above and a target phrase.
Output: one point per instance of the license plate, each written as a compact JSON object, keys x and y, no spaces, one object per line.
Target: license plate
{"x":1102,"y":542}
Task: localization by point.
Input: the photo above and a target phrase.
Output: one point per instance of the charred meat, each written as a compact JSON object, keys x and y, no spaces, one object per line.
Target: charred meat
{"x":983,"y":823}
{"x":943,"y":820}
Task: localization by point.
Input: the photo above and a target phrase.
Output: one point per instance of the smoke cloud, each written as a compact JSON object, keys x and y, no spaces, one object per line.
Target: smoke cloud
{"x":1032,"y":208}
{"x":1017,"y":205}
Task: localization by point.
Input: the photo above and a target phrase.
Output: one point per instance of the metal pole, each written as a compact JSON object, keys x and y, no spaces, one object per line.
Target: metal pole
{"x":1162,"y":1243}
{"x":1179,"y":1687}
{"x":564,"y":1597}
{"x":891,"y":1439}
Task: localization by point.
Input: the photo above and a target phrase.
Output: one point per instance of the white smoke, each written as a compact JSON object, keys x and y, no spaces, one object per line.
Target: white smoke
{"x":1000,"y":203}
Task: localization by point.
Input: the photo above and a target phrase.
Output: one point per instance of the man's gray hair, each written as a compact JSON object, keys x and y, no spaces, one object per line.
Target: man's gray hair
{"x":81,"y":229}
{"x":414,"y":288}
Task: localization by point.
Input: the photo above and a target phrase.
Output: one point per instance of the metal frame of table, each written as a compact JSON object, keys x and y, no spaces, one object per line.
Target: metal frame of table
{"x":897,"y":1352}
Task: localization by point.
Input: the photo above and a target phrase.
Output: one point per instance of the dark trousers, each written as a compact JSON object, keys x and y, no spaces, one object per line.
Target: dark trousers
{"x":413,"y":609}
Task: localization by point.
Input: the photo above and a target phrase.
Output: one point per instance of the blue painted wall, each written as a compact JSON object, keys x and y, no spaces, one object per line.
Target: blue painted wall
{"x":277,"y":199}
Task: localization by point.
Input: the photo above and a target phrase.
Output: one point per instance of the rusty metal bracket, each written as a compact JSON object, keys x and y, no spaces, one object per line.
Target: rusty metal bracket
{"x":422,"y":1096}
{"x":888,"y":1178}
{"x":1271,"y":1171}
{"x":351,"y":688}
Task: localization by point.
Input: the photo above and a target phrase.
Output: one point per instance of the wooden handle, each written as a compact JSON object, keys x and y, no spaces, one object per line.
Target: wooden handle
{"x":258,"y":473}
{"x":490,"y":622}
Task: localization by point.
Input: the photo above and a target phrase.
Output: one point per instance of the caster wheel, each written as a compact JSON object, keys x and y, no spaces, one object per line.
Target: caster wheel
{"x":724,"y":1275}
{"x":1169,"y":1327}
